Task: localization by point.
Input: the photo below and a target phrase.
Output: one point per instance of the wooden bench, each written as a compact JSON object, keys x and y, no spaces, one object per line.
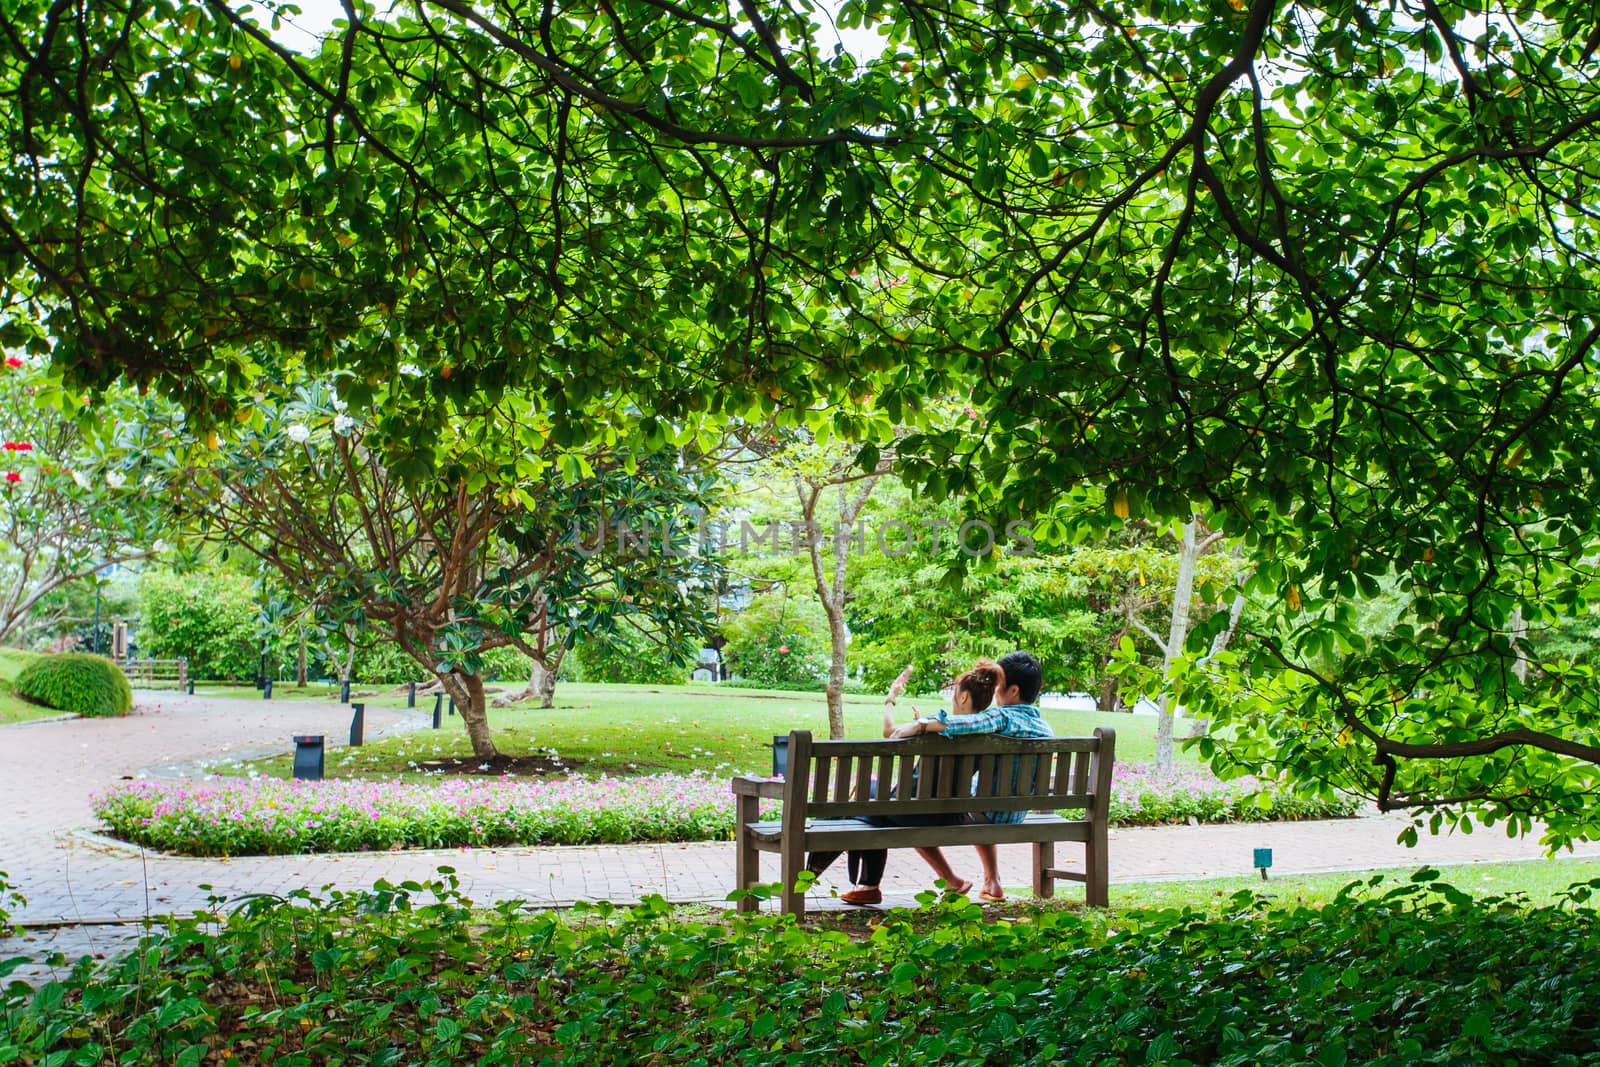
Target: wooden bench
{"x":829,"y":783}
{"x":157,"y":673}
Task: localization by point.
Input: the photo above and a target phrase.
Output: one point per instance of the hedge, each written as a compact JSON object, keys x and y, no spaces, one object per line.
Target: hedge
{"x":78,"y":682}
{"x":411,"y":974}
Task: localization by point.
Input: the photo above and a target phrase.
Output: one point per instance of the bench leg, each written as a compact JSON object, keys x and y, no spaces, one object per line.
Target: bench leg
{"x":747,"y":861}
{"x":1044,"y":861}
{"x":1095,"y":852}
{"x":792,"y":864}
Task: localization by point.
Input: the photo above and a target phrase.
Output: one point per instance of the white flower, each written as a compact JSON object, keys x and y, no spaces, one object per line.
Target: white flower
{"x":411,"y":370}
{"x":82,"y":482}
{"x":339,"y":405}
{"x":116,"y":479}
{"x":298,"y":433}
{"x":342,"y":424}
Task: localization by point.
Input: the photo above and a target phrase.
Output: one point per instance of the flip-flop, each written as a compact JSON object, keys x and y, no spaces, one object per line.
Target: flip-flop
{"x":992,"y":898}
{"x":961,"y":888}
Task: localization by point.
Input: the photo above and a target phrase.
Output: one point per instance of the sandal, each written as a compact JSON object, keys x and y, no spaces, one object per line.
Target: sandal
{"x":992,"y":898}
{"x":863,"y":896}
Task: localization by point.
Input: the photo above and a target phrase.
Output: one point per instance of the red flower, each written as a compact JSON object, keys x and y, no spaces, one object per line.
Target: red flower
{"x":783,"y":650}
{"x":13,"y":362}
{"x":13,"y":476}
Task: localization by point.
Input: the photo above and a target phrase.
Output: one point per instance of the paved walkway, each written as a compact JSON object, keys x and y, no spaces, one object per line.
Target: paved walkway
{"x":71,"y":876}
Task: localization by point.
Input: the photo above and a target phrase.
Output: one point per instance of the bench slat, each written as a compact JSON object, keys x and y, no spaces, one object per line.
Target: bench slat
{"x":947,"y":805}
{"x":841,"y":778}
{"x":863,"y":789}
{"x":986,"y":773}
{"x":835,"y":834}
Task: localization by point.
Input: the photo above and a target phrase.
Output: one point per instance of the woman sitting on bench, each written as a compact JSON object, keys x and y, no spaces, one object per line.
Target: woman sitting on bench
{"x":974,"y":692}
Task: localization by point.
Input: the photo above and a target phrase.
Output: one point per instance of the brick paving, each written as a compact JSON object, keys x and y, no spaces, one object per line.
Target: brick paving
{"x":77,"y":879}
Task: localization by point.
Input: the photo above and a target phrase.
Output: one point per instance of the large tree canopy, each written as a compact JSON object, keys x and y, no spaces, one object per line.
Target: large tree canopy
{"x":1323,"y":270}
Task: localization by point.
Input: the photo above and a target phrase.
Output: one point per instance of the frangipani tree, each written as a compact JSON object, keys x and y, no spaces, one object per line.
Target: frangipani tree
{"x":452,"y":563}
{"x":67,"y":507}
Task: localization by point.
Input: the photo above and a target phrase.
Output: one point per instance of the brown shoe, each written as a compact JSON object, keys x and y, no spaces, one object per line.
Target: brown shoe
{"x":865,"y":895}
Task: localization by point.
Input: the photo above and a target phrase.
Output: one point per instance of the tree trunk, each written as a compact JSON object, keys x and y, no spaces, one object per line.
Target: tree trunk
{"x":546,"y":681}
{"x":832,"y":591}
{"x":1519,"y":632}
{"x":300,"y":662}
{"x":1107,"y":700}
{"x":467,"y":691}
{"x":350,"y":656}
{"x":541,"y":682}
{"x":1182,"y":595}
{"x":1218,"y":643}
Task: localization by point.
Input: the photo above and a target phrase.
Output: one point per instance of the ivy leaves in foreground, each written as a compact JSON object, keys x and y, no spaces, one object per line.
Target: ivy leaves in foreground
{"x":411,"y":974}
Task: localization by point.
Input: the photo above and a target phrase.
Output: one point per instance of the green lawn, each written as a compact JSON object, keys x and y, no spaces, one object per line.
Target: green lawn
{"x":643,"y":729}
{"x":1541,"y":880}
{"x":12,"y":707}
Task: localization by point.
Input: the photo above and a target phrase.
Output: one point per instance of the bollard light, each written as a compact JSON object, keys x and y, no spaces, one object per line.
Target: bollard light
{"x":344,"y":692}
{"x":411,"y":694}
{"x":452,"y":705}
{"x":191,"y":687}
{"x":1263,"y":860}
{"x":358,"y":724}
{"x":308,"y":757}
{"x":438,"y":709}
{"x":780,"y":756}
{"x":266,"y":690}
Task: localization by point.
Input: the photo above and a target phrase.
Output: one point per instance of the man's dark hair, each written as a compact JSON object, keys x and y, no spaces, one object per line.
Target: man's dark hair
{"x":1024,"y":672}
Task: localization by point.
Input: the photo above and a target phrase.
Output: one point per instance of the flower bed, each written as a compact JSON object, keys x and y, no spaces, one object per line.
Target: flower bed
{"x":1143,"y":796}
{"x":233,"y":817}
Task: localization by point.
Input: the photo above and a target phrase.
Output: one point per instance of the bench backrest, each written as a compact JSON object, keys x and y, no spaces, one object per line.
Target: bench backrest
{"x":934,"y":775}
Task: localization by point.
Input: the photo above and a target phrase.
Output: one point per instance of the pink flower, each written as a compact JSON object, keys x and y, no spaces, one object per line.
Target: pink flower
{"x":783,"y":650}
{"x":13,"y":476}
{"x":13,"y":362}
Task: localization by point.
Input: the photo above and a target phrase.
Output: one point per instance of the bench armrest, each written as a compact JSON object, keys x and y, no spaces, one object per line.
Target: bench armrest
{"x":766,"y":788}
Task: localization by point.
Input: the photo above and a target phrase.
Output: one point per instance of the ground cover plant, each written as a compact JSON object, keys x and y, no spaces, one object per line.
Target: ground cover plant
{"x":234,"y":817}
{"x":77,"y":682}
{"x":1418,"y":974}
{"x":231,"y":817}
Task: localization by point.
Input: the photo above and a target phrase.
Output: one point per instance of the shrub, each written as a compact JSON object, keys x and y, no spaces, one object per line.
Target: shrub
{"x":209,"y":618}
{"x":1422,"y":974}
{"x":628,"y":656}
{"x":1143,"y":796}
{"x":779,"y":641}
{"x":78,"y":682}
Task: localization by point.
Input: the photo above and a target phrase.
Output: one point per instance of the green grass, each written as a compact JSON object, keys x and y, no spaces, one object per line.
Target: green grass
{"x":1541,"y":880}
{"x":280,"y":691}
{"x":12,"y":707}
{"x":644,"y":729}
